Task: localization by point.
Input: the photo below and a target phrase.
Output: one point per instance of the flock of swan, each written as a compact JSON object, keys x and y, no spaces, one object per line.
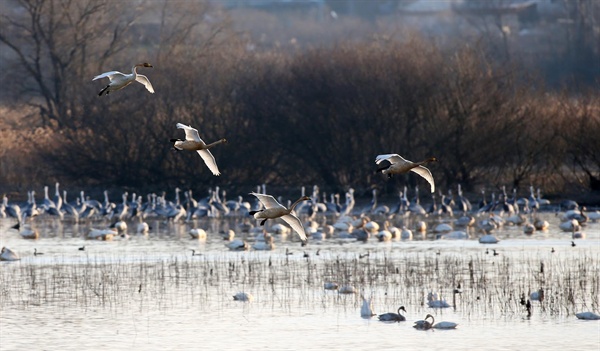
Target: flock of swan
{"x":351,"y":222}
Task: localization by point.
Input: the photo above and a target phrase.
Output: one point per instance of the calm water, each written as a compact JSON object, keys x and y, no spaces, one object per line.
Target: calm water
{"x":149,"y":292}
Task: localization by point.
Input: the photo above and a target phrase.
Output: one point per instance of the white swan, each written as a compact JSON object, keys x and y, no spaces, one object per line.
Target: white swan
{"x":584,"y":315}
{"x":434,"y":302}
{"x":399,"y":165}
{"x":193,"y":142}
{"x":102,"y":234}
{"x":393,"y":317}
{"x":120,"y":80}
{"x":237,"y":245}
{"x":274,"y":209}
{"x":197,"y":233}
{"x":445,"y":325}
{"x":8,"y":255}
{"x":330,"y":286}
{"x":242,"y":296}
{"x":366,"y":311}
{"x":27,"y":233}
{"x":489,"y":239}
{"x":424,"y":324}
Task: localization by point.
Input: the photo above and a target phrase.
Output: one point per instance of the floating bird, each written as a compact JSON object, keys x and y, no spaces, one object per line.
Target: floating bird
{"x":8,"y":255}
{"x":434,"y":302}
{"x":274,"y":209}
{"x":330,"y":286}
{"x":573,"y":244}
{"x":193,"y":142}
{"x":424,"y":324}
{"x":36,"y":253}
{"x":399,"y":165}
{"x":445,"y":325}
{"x":587,"y":316}
{"x":242,"y":296}
{"x":366,"y":311}
{"x":393,"y":317}
{"x":82,"y":248}
{"x":195,"y":254}
{"x":120,"y":80}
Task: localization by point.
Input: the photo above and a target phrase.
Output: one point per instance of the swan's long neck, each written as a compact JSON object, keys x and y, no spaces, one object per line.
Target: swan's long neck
{"x":134,"y":70}
{"x":215,"y":143}
{"x":292,"y":206}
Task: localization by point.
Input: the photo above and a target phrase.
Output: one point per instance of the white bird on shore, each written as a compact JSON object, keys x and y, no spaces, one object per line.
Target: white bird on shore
{"x":399,"y":165}
{"x":193,"y":142}
{"x":274,"y":209}
{"x":120,"y":80}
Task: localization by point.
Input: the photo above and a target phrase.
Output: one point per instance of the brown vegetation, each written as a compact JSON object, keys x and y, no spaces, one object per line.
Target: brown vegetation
{"x":312,"y":116}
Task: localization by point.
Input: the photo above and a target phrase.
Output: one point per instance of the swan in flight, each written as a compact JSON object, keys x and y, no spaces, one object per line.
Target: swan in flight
{"x":399,"y":165}
{"x":393,"y":317}
{"x":274,"y":209}
{"x":424,"y":324}
{"x":120,"y":80}
{"x":193,"y":142}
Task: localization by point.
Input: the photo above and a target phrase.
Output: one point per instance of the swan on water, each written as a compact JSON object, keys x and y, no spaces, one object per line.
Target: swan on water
{"x":120,"y":80}
{"x":193,"y":142}
{"x":8,"y":255}
{"x":424,"y":324}
{"x":274,"y":209}
{"x":399,"y":165}
{"x":393,"y":317}
{"x":242,"y":296}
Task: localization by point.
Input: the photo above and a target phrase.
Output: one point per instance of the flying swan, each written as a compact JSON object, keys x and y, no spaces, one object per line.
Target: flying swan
{"x":120,"y":80}
{"x":193,"y":142}
{"x":399,"y":165}
{"x":274,"y":209}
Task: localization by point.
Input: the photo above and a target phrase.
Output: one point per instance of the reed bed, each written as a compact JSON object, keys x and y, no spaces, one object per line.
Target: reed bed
{"x":489,"y":285}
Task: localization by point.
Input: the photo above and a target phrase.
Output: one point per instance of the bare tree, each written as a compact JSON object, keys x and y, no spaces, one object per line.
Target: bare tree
{"x":54,"y":42}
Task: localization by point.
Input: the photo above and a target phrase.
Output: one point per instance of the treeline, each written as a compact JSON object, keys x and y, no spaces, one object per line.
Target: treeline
{"x":317,"y":116}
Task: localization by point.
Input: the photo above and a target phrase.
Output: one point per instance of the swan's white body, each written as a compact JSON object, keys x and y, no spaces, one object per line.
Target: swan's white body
{"x":399,"y":165}
{"x":120,"y":80}
{"x":274,"y":209}
{"x":101,"y":234}
{"x":393,"y":317}
{"x":366,"y":311}
{"x":197,"y":233}
{"x":193,"y":142}
{"x":424,"y":324}
{"x":587,"y":316}
{"x":242,"y":296}
{"x":347,"y":289}
{"x":445,"y":325}
{"x":330,"y":286}
{"x":434,"y":302}
{"x":8,"y":255}
{"x":489,"y":239}
{"x":237,"y":245}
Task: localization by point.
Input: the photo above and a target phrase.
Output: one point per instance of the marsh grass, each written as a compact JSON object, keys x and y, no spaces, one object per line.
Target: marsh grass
{"x":490,"y":285}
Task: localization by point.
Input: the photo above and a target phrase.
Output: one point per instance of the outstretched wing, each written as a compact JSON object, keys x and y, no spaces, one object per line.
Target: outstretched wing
{"x":267,"y":200}
{"x":425,"y":173}
{"x":190,"y":133}
{"x":144,"y":80}
{"x":392,"y":158}
{"x":111,"y":75}
{"x":295,"y":223}
{"x":209,"y":159}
